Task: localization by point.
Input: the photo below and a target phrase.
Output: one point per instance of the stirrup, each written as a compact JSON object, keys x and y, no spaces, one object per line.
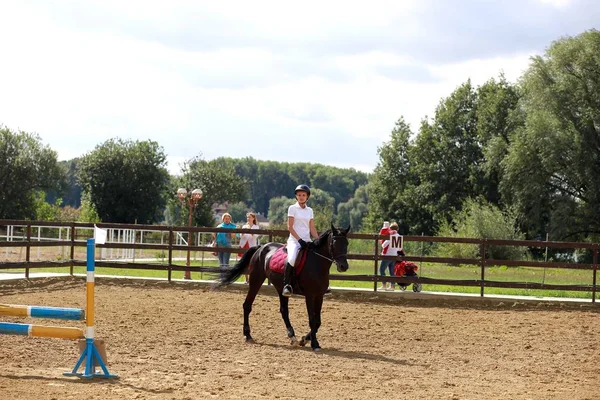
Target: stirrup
{"x":287,"y":291}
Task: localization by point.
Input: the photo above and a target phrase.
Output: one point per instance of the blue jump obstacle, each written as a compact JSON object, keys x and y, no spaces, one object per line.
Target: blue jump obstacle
{"x":9,"y":328}
{"x":90,"y":354}
{"x":15,"y":310}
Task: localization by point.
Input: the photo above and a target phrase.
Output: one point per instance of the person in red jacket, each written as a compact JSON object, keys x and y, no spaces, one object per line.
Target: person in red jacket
{"x":387,"y":229}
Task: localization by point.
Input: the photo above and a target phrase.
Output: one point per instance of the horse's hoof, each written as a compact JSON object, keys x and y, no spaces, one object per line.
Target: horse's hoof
{"x":250,"y":340}
{"x":294,"y":341}
{"x":303,"y":343}
{"x":317,"y":349}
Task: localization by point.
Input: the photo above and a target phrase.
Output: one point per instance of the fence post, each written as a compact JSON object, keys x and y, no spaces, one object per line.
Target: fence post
{"x":170,"y":253}
{"x":595,"y":261}
{"x":270,"y":240}
{"x":72,"y":250}
{"x":28,"y":251}
{"x":376,"y":251}
{"x":482,"y":267}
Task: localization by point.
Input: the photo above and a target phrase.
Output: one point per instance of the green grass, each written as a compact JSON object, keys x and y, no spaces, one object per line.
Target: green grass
{"x":439,"y":271}
{"x":502,"y":273}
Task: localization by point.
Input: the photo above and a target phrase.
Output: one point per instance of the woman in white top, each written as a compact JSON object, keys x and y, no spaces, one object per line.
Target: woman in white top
{"x":301,"y":225}
{"x":248,"y":240}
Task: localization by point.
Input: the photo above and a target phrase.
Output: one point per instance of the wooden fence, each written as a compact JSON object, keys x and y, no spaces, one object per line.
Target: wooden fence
{"x":79,"y":232}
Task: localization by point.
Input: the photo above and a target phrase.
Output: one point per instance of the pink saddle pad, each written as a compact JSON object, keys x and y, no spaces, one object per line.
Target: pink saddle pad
{"x":278,"y":260}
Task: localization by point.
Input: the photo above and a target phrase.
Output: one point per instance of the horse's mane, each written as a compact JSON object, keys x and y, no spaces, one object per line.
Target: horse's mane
{"x":323,"y":236}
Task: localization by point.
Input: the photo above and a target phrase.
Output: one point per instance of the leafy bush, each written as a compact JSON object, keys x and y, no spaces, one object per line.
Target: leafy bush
{"x":481,"y":221}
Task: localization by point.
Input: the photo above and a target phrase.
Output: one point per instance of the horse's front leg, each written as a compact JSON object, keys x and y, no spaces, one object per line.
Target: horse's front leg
{"x":313,"y":308}
{"x":285,"y":314}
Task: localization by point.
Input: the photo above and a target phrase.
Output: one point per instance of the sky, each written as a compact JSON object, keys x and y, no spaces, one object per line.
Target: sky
{"x":312,"y":81}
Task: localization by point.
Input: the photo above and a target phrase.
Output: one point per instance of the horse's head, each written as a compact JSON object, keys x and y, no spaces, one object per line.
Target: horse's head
{"x":338,"y":247}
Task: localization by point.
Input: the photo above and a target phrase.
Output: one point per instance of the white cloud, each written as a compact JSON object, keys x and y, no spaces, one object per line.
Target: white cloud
{"x":246,"y":78}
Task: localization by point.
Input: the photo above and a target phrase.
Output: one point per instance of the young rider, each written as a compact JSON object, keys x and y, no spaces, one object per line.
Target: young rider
{"x":301,"y":225}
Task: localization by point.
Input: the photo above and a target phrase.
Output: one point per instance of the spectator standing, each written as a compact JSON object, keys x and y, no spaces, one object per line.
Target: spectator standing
{"x":223,"y":239}
{"x":248,"y":240}
{"x":387,"y":229}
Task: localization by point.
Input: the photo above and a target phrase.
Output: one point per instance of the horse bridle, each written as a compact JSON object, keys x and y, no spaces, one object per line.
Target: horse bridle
{"x":334,"y":259}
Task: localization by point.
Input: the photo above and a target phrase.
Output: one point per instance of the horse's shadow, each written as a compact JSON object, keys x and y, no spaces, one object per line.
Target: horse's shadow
{"x":351,"y":355}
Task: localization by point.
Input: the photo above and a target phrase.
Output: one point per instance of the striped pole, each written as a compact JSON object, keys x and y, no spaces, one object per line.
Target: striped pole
{"x":89,"y":288}
{"x":59,"y":332}
{"x":90,"y":354}
{"x":16,"y":310}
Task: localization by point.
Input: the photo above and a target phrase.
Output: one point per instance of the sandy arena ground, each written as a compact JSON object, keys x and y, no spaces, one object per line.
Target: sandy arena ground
{"x":182,"y":341}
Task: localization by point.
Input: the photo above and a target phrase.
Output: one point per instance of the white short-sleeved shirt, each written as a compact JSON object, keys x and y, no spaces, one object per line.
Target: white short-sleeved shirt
{"x":302,"y":217}
{"x":248,"y":237}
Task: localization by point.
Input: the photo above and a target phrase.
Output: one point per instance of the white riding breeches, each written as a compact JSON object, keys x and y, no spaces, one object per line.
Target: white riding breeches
{"x":293,"y":247}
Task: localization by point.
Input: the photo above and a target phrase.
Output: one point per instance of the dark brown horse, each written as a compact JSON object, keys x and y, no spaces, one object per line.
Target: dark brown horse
{"x":312,"y":282}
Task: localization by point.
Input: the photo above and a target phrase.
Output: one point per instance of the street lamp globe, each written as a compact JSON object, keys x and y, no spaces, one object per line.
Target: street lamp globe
{"x":196,"y":195}
{"x":181,"y":194}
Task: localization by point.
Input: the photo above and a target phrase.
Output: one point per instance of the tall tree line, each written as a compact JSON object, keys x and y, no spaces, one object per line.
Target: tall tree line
{"x":530,"y":148}
{"x":269,"y":179}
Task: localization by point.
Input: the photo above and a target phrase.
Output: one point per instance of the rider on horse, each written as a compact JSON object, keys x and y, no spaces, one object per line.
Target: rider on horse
{"x":301,"y":225}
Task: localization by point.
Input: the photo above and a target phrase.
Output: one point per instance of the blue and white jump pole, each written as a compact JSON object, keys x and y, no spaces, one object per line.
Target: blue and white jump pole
{"x":16,"y":310}
{"x":90,"y":354}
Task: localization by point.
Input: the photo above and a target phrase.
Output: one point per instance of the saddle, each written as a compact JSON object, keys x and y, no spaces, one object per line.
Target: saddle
{"x":279,"y":258}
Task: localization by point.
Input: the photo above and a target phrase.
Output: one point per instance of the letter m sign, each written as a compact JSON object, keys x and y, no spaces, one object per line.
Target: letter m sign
{"x":396,"y":243}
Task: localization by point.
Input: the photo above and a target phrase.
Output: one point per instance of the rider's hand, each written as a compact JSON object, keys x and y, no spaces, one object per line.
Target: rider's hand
{"x":302,"y":243}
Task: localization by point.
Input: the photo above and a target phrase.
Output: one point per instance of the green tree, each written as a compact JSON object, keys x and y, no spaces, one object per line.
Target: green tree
{"x":219,"y":184}
{"x":353,"y":212}
{"x":26,"y":168}
{"x":447,"y":157}
{"x":238,"y":211}
{"x":552,"y":170}
{"x":70,"y":188}
{"x":391,"y":179}
{"x":269,"y":179}
{"x":126,"y":181}
{"x":322,"y":204}
{"x":278,"y":207}
{"x":45,"y":211}
{"x":498,"y":117}
{"x":88,"y":211}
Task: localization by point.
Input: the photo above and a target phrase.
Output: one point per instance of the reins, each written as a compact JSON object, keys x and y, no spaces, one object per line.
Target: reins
{"x":333,"y":260}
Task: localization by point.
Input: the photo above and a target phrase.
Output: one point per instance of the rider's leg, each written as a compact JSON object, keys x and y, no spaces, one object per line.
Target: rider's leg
{"x":287,"y":280}
{"x":292,"y":249}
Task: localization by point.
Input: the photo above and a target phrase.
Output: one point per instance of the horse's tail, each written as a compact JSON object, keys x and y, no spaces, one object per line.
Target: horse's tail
{"x":229,"y":275}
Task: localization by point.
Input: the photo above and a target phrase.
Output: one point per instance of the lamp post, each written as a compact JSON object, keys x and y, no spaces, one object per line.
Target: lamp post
{"x":192,"y":201}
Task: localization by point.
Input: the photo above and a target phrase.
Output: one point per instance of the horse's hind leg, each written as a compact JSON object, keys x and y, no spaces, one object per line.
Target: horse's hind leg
{"x":253,"y":288}
{"x":285,"y":314}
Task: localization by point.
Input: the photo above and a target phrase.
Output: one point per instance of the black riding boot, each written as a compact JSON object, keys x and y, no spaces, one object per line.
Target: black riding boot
{"x":287,"y":280}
